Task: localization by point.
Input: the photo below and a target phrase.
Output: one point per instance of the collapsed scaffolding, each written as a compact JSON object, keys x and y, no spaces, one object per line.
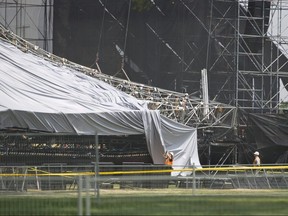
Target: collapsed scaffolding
{"x":252,"y":47}
{"x":180,"y":107}
{"x":254,"y":74}
{"x":177,"y":106}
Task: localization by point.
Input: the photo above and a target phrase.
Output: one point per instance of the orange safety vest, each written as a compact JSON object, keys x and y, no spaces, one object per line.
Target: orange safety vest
{"x":168,"y":161}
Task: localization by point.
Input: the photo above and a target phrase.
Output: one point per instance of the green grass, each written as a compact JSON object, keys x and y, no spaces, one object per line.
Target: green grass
{"x":187,"y":205}
{"x":151,"y":202}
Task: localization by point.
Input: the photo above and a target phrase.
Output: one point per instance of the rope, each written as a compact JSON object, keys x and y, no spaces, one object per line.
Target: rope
{"x":100,"y":40}
{"x":126,"y":33}
{"x":125,"y":43}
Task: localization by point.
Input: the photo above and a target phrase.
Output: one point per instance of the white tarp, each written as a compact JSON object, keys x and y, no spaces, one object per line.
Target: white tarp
{"x":36,"y":94}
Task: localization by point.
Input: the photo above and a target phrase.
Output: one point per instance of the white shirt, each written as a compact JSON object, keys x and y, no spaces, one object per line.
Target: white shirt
{"x":257,"y":161}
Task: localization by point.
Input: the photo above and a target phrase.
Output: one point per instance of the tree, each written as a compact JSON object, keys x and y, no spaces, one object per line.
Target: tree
{"x":283,"y":107}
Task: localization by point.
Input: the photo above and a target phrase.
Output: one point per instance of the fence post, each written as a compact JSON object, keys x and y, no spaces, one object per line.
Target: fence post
{"x":194,"y":180}
{"x":88,"y":204}
{"x":97,"y":187}
{"x":24,"y":179}
{"x":80,"y":187}
{"x":37,"y":179}
{"x":2,"y":182}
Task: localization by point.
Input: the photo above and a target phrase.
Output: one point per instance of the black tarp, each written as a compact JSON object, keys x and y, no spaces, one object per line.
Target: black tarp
{"x":269,"y":132}
{"x":166,"y":43}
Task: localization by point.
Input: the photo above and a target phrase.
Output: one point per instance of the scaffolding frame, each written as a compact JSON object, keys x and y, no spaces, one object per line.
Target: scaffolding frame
{"x":251,"y":68}
{"x":249,"y":87}
{"x":248,"y":90}
{"x":180,"y":107}
{"x":29,"y":19}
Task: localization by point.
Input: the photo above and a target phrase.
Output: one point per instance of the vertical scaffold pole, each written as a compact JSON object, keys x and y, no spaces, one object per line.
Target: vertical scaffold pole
{"x":97,"y":189}
{"x":80,"y":187}
{"x":194,"y":179}
{"x":88,"y":204}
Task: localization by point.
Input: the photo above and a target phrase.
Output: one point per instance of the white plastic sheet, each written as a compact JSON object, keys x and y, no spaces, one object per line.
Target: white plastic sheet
{"x":37,"y":94}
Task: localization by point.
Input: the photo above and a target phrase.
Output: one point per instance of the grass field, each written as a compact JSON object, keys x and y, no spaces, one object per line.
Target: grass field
{"x":150,"y":202}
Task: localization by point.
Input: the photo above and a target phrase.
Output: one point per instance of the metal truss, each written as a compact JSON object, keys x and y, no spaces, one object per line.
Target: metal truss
{"x":180,"y":107}
{"x":252,"y":62}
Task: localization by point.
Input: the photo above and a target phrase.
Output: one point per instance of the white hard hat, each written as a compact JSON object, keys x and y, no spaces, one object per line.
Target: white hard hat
{"x":256,"y":153}
{"x":172,"y":153}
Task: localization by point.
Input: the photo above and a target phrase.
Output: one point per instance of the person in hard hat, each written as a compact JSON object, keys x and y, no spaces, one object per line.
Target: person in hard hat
{"x":169,"y":157}
{"x":256,"y":161}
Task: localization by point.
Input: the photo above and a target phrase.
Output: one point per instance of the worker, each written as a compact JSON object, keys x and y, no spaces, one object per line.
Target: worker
{"x":256,"y":161}
{"x":169,"y":157}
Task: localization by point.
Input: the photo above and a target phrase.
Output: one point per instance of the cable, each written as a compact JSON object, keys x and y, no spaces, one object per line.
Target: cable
{"x":100,"y":39}
{"x":125,"y":43}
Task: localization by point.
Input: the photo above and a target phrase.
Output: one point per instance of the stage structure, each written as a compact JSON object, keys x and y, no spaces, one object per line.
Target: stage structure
{"x":41,"y":96}
{"x":244,"y":57}
{"x":177,"y":106}
{"x":242,"y":45}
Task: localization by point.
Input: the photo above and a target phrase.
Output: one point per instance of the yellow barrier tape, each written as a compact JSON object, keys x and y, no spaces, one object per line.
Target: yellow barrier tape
{"x":68,"y":173}
{"x":238,"y":168}
{"x":43,"y":172}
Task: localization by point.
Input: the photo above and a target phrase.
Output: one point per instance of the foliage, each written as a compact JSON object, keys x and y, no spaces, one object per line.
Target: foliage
{"x":141,"y":5}
{"x":283,"y":107}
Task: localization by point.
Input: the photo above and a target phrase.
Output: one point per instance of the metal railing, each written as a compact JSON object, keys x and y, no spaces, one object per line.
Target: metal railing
{"x":52,"y":177}
{"x":83,"y":183}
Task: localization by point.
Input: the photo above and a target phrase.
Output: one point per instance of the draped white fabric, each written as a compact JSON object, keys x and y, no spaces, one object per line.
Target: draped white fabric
{"x":40,"y":95}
